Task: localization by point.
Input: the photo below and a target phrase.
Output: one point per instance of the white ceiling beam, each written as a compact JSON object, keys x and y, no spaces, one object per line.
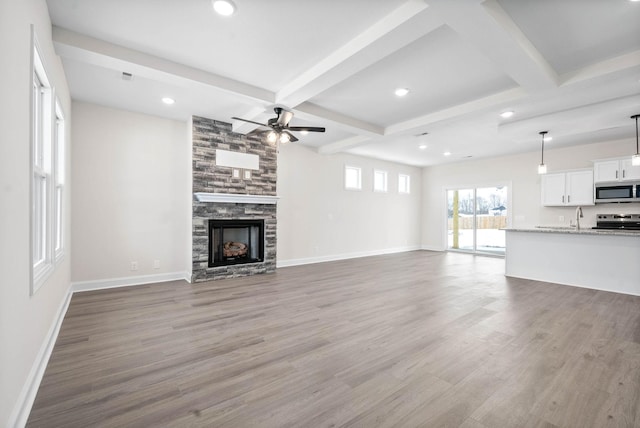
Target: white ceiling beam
{"x":603,"y":68}
{"x":581,"y":119}
{"x":367,"y":48}
{"x":492,"y":101}
{"x":313,"y":112}
{"x":89,"y":50}
{"x":486,"y":26}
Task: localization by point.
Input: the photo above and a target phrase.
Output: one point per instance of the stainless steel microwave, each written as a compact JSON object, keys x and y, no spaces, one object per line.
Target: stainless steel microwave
{"x":617,"y":192}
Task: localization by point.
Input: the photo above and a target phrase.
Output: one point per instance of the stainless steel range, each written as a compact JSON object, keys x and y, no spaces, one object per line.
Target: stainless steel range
{"x":618,"y":221}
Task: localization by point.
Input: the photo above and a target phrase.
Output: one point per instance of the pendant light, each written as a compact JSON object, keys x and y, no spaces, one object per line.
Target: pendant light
{"x":542,"y":168}
{"x":635,"y":159}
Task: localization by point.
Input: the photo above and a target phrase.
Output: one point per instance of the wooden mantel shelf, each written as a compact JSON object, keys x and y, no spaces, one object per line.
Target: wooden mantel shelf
{"x":236,"y":198}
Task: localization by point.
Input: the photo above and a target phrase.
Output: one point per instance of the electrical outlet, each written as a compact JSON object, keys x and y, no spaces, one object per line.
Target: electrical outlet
{"x":134,"y":265}
{"x":561,"y":219}
{"x":156,"y":264}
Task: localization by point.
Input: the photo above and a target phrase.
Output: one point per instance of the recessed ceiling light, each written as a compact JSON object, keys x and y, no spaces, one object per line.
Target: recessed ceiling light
{"x":507,"y":114}
{"x":401,"y":92}
{"x":224,"y":7}
{"x":304,"y":132}
{"x":168,"y":100}
{"x":422,"y":146}
{"x":447,"y":153}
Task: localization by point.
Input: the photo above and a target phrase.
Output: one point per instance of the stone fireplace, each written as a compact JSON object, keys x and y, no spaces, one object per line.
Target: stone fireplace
{"x":234,"y":206}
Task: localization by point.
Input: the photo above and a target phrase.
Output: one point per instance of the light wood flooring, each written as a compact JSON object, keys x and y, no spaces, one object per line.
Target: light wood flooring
{"x":419,"y":339}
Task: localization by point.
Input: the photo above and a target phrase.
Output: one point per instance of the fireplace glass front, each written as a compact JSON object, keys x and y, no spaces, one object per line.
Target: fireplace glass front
{"x":233,"y":242}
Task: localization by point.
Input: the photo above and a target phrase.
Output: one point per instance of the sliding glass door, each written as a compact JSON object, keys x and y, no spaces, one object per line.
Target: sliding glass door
{"x":475,"y":217}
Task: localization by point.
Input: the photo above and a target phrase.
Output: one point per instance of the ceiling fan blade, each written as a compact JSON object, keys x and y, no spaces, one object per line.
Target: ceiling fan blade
{"x":256,"y":131}
{"x":292,"y":138}
{"x":306,"y":128}
{"x":249,"y":121}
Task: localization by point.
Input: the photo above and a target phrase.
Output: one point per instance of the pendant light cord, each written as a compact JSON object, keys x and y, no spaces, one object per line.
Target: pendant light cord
{"x":543,"y":133}
{"x":637,"y":147}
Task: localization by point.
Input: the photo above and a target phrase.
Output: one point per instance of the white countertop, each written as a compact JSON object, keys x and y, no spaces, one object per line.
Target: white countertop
{"x":573,"y":230}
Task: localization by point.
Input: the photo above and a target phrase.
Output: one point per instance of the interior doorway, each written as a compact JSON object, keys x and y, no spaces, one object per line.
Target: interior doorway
{"x":476,"y":218}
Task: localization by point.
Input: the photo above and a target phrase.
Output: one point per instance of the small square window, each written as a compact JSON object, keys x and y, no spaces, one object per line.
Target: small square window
{"x":404,"y":183}
{"x":379,"y":181}
{"x":352,"y":178}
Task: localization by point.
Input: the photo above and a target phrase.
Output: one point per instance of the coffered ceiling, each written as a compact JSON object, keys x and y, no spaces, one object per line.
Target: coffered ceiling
{"x":571,"y":67}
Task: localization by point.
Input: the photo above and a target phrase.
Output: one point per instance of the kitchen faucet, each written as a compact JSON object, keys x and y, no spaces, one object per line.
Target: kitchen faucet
{"x":578,"y":216}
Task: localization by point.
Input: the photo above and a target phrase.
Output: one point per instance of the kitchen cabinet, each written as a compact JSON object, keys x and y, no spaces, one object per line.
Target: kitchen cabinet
{"x":572,"y":188}
{"x":615,"y":170}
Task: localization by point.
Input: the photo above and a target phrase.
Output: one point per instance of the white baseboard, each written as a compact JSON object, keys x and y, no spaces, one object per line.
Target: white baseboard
{"x":21,"y":411}
{"x":343,"y":256}
{"x":102,"y":284}
{"x":432,"y":248}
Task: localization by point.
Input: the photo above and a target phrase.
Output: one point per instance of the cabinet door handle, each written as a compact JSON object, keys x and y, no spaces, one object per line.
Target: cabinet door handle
{"x":563,"y":199}
{"x":616,"y":174}
{"x":568,"y":198}
{"x":623,"y":173}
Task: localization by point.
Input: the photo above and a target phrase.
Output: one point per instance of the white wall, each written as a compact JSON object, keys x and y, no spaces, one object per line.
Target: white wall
{"x":521,"y":171}
{"x":131,"y":196}
{"x":319,"y":220}
{"x":25,"y":321}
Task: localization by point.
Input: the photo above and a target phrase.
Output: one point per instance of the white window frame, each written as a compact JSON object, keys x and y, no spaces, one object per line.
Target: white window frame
{"x":42,"y":170}
{"x":406,"y":179}
{"x":358,"y":171}
{"x":380,"y":181}
{"x":58,"y":183}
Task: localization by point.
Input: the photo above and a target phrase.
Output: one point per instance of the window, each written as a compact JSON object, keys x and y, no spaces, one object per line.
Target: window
{"x":43,"y":170}
{"x":379,"y":181}
{"x":404,"y":183}
{"x":58,"y":194}
{"x":352,"y":178}
{"x":477,"y":218}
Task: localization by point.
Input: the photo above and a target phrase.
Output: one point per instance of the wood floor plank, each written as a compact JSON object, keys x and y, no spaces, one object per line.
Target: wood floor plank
{"x":404,"y":340}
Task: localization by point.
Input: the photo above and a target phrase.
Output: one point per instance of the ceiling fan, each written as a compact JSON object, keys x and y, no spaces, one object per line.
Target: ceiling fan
{"x":280,"y":129}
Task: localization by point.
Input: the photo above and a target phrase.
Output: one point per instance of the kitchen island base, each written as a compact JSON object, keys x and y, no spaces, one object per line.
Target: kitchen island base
{"x":590,"y":259}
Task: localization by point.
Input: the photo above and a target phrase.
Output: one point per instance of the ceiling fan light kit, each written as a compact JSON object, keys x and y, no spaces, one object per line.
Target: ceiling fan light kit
{"x":272,"y":137}
{"x":280,"y":131}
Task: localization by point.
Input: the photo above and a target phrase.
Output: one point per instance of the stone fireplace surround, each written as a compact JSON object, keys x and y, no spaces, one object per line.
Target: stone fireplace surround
{"x":219,"y":196}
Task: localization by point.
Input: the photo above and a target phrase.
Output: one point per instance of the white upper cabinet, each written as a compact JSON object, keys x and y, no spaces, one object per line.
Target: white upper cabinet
{"x":571,"y":188}
{"x":629,"y":172}
{"x":615,"y":170}
{"x":580,"y":188}
{"x":553,"y":189}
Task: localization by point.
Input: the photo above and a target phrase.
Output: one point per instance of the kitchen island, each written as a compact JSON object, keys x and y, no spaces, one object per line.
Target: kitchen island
{"x":606,"y":260}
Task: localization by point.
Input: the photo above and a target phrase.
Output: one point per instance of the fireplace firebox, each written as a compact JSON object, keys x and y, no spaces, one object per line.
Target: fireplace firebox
{"x":233,"y":242}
